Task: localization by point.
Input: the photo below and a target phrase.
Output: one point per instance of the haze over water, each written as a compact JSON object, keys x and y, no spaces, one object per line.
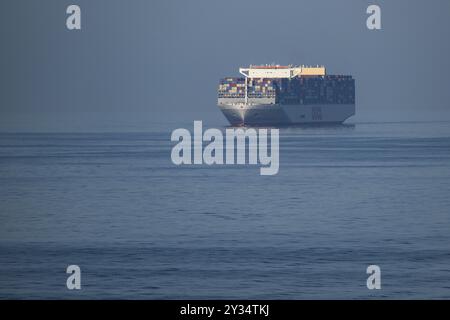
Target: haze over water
{"x":140,"y":227}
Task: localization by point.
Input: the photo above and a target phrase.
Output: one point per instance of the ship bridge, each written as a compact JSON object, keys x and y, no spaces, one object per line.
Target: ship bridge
{"x":277,"y":71}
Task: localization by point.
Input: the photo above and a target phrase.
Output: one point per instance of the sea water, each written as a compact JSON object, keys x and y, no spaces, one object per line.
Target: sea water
{"x":140,"y":227}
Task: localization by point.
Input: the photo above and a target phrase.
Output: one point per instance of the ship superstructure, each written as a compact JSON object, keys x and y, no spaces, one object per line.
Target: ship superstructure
{"x":283,"y":95}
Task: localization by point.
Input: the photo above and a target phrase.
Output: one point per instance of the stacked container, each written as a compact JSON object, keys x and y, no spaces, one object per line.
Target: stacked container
{"x":232,"y":88}
{"x":261,"y":88}
{"x":329,"y":89}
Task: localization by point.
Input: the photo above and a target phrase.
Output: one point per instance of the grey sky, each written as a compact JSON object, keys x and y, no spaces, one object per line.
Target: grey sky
{"x":140,"y":63}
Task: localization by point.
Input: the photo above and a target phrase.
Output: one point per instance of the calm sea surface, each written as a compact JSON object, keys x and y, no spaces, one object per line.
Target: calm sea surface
{"x":140,"y":227}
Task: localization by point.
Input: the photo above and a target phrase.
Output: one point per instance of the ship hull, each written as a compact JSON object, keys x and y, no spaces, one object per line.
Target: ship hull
{"x":278,"y":114}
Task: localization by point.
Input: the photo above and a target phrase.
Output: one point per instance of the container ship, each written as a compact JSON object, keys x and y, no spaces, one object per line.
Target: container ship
{"x":286,"y":95}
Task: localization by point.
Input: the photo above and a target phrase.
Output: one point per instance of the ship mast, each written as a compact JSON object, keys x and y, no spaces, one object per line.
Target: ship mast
{"x":244,"y":72}
{"x":246,"y":93}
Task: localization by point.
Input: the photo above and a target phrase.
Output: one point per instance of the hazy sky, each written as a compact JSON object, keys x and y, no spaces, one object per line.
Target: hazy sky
{"x":140,"y":63}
